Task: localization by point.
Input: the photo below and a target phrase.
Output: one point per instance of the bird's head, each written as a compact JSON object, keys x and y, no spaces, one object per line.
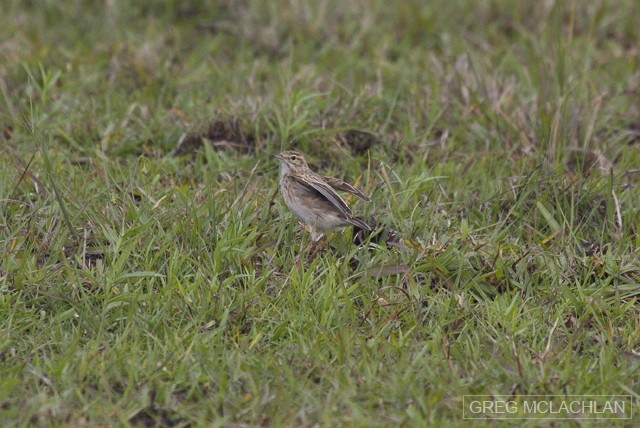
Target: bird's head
{"x":292,"y":160}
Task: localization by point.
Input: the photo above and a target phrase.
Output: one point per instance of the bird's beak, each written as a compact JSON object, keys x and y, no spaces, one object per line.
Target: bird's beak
{"x":278,"y":156}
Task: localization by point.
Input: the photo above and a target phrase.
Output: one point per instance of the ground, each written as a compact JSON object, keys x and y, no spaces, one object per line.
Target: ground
{"x":148,"y":269}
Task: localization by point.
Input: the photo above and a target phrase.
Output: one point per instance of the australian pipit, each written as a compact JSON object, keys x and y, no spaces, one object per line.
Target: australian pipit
{"x":313,"y":198}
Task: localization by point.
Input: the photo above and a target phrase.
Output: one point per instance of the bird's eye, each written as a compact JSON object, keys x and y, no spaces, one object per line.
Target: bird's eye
{"x":294,"y":158}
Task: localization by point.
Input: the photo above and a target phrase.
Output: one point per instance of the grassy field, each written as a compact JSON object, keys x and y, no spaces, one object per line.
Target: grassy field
{"x":148,"y":270}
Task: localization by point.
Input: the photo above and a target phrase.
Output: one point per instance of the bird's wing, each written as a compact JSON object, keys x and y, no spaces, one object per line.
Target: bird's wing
{"x":319,"y":185}
{"x":338,"y":184}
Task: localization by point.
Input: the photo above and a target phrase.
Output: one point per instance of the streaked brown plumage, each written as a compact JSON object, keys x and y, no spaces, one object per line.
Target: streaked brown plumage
{"x":312,"y":198}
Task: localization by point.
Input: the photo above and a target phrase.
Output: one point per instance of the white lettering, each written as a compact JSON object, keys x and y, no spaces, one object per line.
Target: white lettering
{"x":474,"y":406}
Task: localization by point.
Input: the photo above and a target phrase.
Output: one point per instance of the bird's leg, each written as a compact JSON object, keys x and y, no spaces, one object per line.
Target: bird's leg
{"x":310,"y":245}
{"x":315,"y":244}
{"x":316,"y":239}
{"x":315,"y":236}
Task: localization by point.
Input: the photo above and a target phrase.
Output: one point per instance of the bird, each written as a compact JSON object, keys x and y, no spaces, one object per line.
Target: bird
{"x":313,"y":198}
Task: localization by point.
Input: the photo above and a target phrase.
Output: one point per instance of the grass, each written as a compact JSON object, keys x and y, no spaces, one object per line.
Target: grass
{"x":147,"y":269}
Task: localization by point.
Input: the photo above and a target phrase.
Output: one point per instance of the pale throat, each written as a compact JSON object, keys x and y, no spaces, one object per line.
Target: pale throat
{"x":285,"y":168}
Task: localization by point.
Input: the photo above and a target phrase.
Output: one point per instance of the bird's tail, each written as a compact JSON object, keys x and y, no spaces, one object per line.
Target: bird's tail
{"x":356,"y":221}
